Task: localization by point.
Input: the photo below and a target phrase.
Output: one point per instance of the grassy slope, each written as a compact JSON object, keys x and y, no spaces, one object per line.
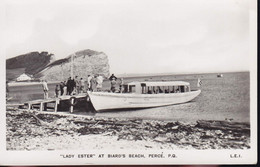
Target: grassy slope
{"x":29,"y":63}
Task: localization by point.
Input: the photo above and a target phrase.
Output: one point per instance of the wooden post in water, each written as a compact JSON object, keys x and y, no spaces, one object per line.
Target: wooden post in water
{"x":41,"y":106}
{"x":29,"y":106}
{"x":45,"y":106}
{"x":71,"y":107}
{"x":57,"y":101}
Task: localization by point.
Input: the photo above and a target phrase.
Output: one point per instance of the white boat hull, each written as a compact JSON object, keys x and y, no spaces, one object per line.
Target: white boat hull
{"x":107,"y":101}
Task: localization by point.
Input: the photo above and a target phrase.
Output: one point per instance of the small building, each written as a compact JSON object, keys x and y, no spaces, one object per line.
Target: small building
{"x":24,"y":77}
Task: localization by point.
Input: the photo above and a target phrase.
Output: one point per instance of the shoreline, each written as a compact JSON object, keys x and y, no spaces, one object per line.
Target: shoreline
{"x":51,"y":131}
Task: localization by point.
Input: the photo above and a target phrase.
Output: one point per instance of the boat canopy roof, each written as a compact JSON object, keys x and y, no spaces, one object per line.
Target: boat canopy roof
{"x":161,"y":83}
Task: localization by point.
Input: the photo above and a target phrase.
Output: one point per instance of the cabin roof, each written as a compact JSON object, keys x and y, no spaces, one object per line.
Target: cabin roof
{"x":161,"y":83}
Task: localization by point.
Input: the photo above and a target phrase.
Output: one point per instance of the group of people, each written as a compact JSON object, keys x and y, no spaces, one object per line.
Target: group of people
{"x":71,"y":86}
{"x":95,"y":83}
{"x":76,"y":85}
{"x":113,"y":81}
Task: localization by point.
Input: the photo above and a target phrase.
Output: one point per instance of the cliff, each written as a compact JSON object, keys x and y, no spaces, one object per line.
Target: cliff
{"x":86,"y":62}
{"x":30,"y":63}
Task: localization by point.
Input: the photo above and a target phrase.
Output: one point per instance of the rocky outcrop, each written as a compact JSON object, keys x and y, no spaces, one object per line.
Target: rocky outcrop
{"x":86,"y":62}
{"x":32,"y":62}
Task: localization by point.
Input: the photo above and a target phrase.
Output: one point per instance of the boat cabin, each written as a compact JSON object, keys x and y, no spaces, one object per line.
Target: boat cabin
{"x":157,"y":87}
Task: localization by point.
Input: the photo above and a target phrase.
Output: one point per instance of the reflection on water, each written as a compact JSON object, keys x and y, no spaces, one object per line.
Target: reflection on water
{"x":221,"y":98}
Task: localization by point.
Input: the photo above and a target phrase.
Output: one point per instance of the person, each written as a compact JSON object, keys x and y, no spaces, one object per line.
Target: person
{"x":82,"y":85}
{"x":45,"y":89}
{"x":159,"y":90}
{"x":77,"y":84}
{"x":61,"y":88}
{"x":69,"y":86}
{"x":112,"y":77}
{"x":113,"y":85}
{"x":177,"y":90}
{"x":89,"y":79}
{"x":73,"y":89}
{"x":121,"y":85}
{"x":65,"y":87}
{"x":93,"y":83}
{"x":57,"y":91}
{"x":99,"y":82}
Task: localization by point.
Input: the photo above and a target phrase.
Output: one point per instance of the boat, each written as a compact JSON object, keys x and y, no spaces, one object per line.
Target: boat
{"x":220,"y":75}
{"x":144,"y":95}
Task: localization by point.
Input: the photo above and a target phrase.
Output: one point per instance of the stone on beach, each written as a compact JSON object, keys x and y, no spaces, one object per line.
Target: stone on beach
{"x":63,"y":132}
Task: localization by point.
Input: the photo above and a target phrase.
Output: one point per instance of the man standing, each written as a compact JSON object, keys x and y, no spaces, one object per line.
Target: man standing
{"x":121,"y":84}
{"x":99,"y":82}
{"x":45,"y":89}
{"x":77,"y":84}
{"x":73,"y":83}
{"x":69,"y":86}
{"x":89,"y":79}
{"x":113,"y":85}
{"x":93,"y":83}
{"x":82,"y":85}
{"x":61,"y":88}
{"x":112,"y":77}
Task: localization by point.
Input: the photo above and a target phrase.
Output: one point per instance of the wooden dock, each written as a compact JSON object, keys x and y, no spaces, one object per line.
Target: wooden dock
{"x":56,"y":101}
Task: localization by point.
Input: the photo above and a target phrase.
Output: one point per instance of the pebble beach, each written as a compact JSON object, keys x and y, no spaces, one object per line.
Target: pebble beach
{"x":36,"y":130}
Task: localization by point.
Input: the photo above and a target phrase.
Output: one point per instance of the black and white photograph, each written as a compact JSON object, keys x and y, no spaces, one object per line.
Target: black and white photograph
{"x":129,"y":82}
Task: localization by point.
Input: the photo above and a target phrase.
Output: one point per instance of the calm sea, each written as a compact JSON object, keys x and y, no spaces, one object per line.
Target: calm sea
{"x":221,"y":98}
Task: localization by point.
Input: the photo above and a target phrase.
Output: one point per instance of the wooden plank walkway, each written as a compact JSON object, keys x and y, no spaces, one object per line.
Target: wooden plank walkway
{"x":57,"y":100}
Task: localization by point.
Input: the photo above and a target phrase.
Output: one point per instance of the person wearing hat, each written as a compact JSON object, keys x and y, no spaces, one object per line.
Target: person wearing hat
{"x":112,"y":77}
{"x":113,"y":85}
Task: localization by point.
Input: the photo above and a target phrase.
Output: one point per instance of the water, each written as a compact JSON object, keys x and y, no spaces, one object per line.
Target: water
{"x":221,"y":98}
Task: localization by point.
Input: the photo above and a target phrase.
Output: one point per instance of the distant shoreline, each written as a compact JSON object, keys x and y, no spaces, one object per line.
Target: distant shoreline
{"x":129,"y":77}
{"x":175,"y":74}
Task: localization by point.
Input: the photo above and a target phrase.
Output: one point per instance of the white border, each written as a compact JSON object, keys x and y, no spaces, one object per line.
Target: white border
{"x":183,"y":156}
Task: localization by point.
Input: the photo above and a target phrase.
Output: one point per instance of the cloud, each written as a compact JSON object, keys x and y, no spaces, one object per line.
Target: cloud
{"x":143,"y":35}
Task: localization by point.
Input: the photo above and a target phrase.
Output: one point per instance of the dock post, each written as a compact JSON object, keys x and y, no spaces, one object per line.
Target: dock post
{"x":71,"y":107}
{"x":45,"y":106}
{"x":41,"y":106}
{"x":29,"y":106}
{"x":57,"y":101}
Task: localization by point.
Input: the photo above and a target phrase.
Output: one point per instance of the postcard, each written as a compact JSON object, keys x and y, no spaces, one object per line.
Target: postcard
{"x":115,"y":82}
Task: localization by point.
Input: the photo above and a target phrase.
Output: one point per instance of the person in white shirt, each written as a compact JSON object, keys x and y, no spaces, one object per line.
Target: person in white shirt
{"x":99,"y":82}
{"x":82,"y":85}
{"x":89,"y":79}
{"x":45,"y":89}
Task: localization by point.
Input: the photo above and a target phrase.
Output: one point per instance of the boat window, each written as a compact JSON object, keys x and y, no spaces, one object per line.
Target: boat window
{"x":177,"y":90}
{"x":132,"y":89}
{"x":171,"y":89}
{"x":187,"y":88}
{"x":159,"y":89}
{"x":166,"y":89}
{"x":125,"y":89}
{"x":144,"y":89}
{"x":149,"y":89}
{"x":182,"y":89}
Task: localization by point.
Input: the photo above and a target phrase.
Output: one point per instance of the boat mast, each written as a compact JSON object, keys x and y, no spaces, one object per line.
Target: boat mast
{"x":71,"y":66}
{"x":62,"y":72}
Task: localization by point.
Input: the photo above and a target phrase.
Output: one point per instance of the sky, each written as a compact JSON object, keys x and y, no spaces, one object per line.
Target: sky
{"x":138,"y":36}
